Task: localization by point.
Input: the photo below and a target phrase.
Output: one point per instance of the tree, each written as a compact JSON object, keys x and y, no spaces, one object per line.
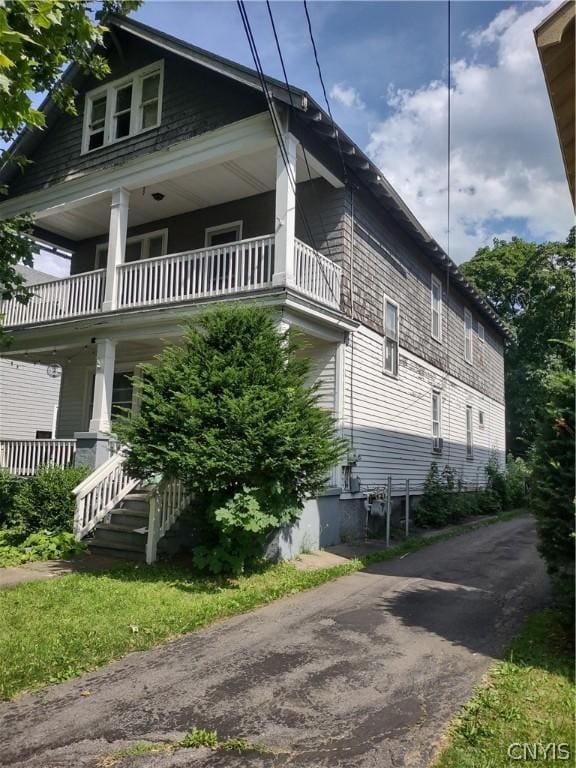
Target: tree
{"x":552,"y":493}
{"x":230,"y":414}
{"x":38,"y":38}
{"x":531,"y":287}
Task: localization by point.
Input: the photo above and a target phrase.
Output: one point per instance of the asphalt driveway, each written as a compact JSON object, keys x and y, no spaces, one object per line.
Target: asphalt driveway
{"x":363,"y":671}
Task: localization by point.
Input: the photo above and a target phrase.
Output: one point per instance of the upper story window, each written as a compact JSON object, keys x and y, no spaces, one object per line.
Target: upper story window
{"x":469,"y":433}
{"x":468,"y":336}
{"x":436,"y":301}
{"x":146,"y":246}
{"x":390,"y":337}
{"x":481,"y":335}
{"x":123,"y":108}
{"x":436,"y":421}
{"x":223,"y":233}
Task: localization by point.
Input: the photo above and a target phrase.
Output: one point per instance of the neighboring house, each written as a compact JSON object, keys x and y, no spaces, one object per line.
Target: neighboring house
{"x":28,"y":394}
{"x":555,"y":42}
{"x":172,"y":191}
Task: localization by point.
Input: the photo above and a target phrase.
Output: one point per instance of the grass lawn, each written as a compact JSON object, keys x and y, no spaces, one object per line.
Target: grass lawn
{"x":528,"y":699}
{"x":53,"y":630}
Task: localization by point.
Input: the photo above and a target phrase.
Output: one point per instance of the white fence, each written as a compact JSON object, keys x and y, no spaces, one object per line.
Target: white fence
{"x":23,"y":457}
{"x":57,"y":300}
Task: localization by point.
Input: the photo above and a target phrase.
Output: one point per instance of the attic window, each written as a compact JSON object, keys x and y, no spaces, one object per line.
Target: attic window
{"x":123,"y":108}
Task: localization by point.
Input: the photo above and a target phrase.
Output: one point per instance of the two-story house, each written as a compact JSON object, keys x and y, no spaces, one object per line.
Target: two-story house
{"x":173,"y":189}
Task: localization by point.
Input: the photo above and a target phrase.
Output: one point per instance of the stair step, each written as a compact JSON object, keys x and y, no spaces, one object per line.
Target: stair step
{"x":107,"y":550}
{"x":118,"y":545}
{"x":123,"y":537}
{"x":124,"y":527}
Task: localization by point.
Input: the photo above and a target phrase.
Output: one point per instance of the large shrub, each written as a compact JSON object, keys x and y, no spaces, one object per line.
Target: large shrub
{"x":45,"y":501}
{"x":8,"y":489}
{"x":230,"y":414}
{"x":552,"y":484}
{"x":433,"y":511}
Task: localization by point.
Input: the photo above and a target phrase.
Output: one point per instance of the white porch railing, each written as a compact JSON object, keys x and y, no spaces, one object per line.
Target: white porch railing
{"x":57,"y":300}
{"x":317,"y":276}
{"x":235,"y":267}
{"x":23,"y":457}
{"x":99,"y":493}
{"x":167,"y":502}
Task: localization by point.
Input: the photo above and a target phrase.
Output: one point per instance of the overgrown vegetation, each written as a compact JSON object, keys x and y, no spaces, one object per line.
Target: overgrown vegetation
{"x":134,"y":608}
{"x":528,"y":698}
{"x":229,"y":413}
{"x":445,"y":501}
{"x":552,"y":492}
{"x":36,"y":515}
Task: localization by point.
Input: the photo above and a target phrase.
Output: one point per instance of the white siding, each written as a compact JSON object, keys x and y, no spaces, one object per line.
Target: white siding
{"x":72,"y":416}
{"x":322,"y":371}
{"x":28,"y":397}
{"x":389,"y":420}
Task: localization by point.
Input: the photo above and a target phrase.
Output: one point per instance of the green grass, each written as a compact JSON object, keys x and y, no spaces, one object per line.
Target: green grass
{"x":528,"y":698}
{"x":54,"y":630}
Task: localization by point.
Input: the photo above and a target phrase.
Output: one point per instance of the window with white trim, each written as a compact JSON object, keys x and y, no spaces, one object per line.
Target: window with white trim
{"x":390,"y":337}
{"x":123,"y":108}
{"x":481,"y":419}
{"x":436,"y":421}
{"x":469,"y":433}
{"x":481,"y":335}
{"x":223,"y":233}
{"x":436,"y":306}
{"x":468,"y":336}
{"x":146,"y":246}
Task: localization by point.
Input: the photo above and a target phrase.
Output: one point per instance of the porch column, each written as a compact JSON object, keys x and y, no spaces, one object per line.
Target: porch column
{"x":116,"y":245}
{"x":285,"y":213}
{"x":103,"y":382}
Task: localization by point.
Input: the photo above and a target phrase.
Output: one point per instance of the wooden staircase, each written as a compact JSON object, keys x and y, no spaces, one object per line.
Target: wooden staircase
{"x":123,"y":533}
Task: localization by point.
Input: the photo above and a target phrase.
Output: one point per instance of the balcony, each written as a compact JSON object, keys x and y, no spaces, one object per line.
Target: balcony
{"x":235,"y":268}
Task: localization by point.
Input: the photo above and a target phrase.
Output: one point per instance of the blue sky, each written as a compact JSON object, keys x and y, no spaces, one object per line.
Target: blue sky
{"x":385,"y":66}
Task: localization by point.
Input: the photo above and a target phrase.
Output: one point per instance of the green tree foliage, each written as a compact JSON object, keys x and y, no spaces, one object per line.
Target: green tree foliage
{"x":552,"y":482}
{"x":532,"y":288}
{"x":38,"y":38}
{"x":230,"y":414}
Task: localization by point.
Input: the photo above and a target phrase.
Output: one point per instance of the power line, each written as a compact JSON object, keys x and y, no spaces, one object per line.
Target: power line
{"x":279,"y":136}
{"x":318,"y":67}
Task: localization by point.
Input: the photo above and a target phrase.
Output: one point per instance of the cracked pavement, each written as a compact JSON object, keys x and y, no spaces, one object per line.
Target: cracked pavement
{"x":363,"y":672}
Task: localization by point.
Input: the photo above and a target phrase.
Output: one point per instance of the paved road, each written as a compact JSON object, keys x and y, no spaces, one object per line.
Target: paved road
{"x":363,"y":672}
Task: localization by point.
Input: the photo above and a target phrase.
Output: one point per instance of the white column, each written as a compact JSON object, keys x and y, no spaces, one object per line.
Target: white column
{"x":116,"y":245}
{"x":103,"y":382}
{"x":285,"y":213}
{"x":339,"y":385}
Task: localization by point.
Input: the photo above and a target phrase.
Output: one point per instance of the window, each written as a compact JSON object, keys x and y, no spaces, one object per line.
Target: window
{"x":121,"y":393}
{"x":436,"y":422}
{"x":481,"y":332}
{"x":390,"y":337}
{"x":481,"y":419}
{"x":436,"y":298}
{"x":469,"y":433}
{"x":123,"y":108}
{"x":224,"y":233}
{"x":146,"y":246}
{"x":468,"y":336}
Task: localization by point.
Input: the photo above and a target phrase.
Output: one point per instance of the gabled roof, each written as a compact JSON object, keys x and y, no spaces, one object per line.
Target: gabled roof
{"x":316,"y":118}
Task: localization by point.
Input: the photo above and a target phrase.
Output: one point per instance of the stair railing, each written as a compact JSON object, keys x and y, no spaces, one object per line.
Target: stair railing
{"x":166,"y":503}
{"x":99,"y":493}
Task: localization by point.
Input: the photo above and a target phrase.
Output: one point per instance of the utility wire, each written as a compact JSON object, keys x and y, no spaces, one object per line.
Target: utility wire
{"x":318,"y":67}
{"x":279,"y":136}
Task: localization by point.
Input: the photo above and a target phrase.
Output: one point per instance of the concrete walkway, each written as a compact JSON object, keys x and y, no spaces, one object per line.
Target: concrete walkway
{"x":363,"y":672}
{"x":49,"y":569}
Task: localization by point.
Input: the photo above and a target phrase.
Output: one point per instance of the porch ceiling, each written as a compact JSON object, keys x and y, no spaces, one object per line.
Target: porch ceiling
{"x":232,"y":180}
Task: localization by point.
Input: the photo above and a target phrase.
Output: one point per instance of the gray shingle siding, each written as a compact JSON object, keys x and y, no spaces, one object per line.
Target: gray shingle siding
{"x":195,"y":101}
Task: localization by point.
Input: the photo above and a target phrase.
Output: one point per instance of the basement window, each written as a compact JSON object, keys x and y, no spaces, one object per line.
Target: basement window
{"x":123,"y":108}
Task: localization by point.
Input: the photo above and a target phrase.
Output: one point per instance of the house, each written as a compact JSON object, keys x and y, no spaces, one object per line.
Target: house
{"x":173,"y":189}
{"x":555,"y":42}
{"x":29,"y":394}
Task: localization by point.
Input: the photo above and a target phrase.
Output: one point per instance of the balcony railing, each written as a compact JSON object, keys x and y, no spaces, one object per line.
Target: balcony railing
{"x":23,"y":457}
{"x":243,"y":266}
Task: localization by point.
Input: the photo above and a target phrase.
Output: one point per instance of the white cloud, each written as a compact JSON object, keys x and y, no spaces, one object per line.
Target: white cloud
{"x":505,"y":159}
{"x":347,"y":95}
